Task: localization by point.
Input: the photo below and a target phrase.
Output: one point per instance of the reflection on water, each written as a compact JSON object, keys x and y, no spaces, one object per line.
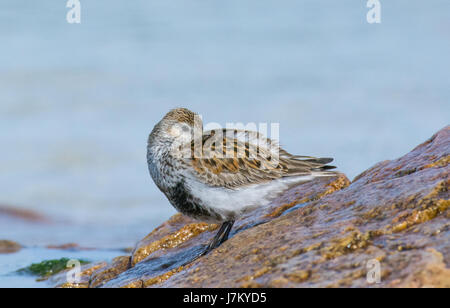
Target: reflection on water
{"x":77,"y":101}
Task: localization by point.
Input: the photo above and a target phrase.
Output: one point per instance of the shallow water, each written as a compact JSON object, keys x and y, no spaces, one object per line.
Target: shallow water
{"x":10,"y":263}
{"x":77,"y":101}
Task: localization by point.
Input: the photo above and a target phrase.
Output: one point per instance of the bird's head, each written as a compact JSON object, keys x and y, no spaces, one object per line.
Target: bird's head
{"x":176,"y":127}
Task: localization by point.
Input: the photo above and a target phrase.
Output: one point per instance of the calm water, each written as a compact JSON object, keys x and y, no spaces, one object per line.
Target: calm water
{"x":78,"y":101}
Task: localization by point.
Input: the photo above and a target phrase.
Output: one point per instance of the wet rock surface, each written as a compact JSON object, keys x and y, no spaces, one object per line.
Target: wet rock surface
{"x":86,"y":272}
{"x":391,"y":224}
{"x":9,"y":247}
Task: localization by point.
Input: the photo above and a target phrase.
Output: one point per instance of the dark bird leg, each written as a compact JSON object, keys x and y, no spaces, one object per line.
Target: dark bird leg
{"x":227,"y":231}
{"x":220,"y":237}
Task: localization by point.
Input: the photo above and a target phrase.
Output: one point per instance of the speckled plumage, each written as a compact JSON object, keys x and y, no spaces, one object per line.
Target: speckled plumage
{"x":216,"y":176}
{"x":212,"y":188}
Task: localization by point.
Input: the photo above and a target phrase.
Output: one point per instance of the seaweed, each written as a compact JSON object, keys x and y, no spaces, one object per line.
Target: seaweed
{"x":48,"y":268}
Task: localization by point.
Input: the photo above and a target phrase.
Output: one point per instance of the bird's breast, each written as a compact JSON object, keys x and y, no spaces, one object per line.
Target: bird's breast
{"x":164,"y":169}
{"x":181,"y":197}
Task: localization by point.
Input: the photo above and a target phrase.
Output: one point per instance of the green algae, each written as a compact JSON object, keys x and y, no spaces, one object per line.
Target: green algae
{"x":48,"y":268}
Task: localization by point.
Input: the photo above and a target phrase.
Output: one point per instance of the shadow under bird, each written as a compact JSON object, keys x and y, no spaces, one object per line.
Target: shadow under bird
{"x":216,"y":176}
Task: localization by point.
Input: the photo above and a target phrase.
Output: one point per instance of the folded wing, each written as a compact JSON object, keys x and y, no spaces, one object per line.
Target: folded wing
{"x":235,"y":158}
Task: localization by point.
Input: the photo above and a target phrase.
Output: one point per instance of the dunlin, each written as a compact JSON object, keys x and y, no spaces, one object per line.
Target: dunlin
{"x":219,"y":186}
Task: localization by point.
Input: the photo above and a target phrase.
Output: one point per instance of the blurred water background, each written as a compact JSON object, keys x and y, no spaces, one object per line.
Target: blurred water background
{"x":77,"y":101}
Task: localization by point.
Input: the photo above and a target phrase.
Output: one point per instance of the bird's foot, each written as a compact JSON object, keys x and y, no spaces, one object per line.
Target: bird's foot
{"x":219,"y":239}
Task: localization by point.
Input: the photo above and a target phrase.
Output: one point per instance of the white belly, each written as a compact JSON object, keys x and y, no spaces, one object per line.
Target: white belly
{"x":242,"y":199}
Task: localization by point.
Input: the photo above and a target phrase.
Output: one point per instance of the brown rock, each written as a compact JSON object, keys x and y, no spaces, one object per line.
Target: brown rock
{"x":173,"y":233}
{"x":160,"y":255}
{"x":68,"y":246}
{"x":111,"y":271}
{"x":391,"y":222}
{"x":22,"y":214}
{"x":432,"y":273}
{"x":86,"y":272}
{"x":9,"y":246}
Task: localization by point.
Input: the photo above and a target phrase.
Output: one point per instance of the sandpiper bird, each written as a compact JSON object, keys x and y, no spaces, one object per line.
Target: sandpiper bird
{"x":210,"y":185}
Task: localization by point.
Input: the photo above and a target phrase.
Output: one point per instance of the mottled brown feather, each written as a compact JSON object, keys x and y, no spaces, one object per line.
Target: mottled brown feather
{"x":255,"y":167}
{"x":181,"y":115}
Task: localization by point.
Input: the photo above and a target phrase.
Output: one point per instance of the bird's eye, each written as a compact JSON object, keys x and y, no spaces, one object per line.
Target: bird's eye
{"x":185,"y":128}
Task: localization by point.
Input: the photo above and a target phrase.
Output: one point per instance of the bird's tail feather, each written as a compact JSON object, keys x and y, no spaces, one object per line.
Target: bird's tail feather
{"x":324,"y":173}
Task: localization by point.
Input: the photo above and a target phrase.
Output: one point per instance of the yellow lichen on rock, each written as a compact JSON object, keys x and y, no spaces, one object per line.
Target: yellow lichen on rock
{"x":430,"y":207}
{"x":158,"y":279}
{"x":104,"y":274}
{"x":172,"y":240}
{"x":442,"y":162}
{"x":299,"y":276}
{"x":348,"y":244}
{"x":434,"y":274}
{"x":84,"y":277}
